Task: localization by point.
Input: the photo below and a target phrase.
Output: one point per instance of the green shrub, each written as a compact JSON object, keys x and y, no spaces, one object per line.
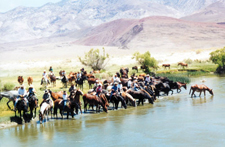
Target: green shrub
{"x":8,"y":86}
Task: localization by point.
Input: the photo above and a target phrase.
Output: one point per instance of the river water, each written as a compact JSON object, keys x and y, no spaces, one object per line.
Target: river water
{"x":176,"y":120}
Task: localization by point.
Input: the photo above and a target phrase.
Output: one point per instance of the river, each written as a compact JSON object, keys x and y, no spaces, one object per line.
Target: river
{"x":176,"y":120}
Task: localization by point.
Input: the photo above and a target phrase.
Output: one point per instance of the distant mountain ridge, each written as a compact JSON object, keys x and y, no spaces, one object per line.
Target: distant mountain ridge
{"x":52,"y":19}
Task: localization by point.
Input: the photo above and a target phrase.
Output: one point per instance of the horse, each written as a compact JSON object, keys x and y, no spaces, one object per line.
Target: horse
{"x":135,"y":68}
{"x":124,"y":81}
{"x":53,"y":80}
{"x":91,"y":81}
{"x":128,"y":98}
{"x":163,"y":87}
{"x":174,"y":85}
{"x":166,"y":65}
{"x":71,"y":77}
{"x":44,"y":111}
{"x":29,"y":80}
{"x":20,"y":80}
{"x":124,"y":72}
{"x":78,"y":93}
{"x":143,"y":67}
{"x":141,"y":95}
{"x":11,"y":95}
{"x":182,"y":64}
{"x":33,"y":104}
{"x":22,"y":106}
{"x":200,"y":88}
{"x":45,"y":83}
{"x":116,"y":98}
{"x":56,"y":95}
{"x":80,"y":82}
{"x":69,"y":108}
{"x":180,"y":84}
{"x":95,"y":101}
{"x":64,"y":80}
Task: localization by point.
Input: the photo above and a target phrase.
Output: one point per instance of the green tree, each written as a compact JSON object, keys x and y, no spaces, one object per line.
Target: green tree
{"x":218,"y":57}
{"x":146,"y":60}
{"x":95,"y":59}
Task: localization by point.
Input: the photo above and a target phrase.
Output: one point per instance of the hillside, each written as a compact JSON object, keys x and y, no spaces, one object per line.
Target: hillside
{"x":213,"y":13}
{"x":163,"y":33}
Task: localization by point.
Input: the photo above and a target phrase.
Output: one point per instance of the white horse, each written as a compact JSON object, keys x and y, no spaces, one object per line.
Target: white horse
{"x":11,"y":95}
{"x":44,"y":111}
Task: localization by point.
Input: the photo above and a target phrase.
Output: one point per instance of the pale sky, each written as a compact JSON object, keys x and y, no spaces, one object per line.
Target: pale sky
{"x":6,"y":5}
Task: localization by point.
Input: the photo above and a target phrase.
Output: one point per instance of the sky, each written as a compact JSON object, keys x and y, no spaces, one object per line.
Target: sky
{"x":6,"y":5}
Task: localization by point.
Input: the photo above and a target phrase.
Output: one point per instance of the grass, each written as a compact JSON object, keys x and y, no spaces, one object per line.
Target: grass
{"x":10,"y":77}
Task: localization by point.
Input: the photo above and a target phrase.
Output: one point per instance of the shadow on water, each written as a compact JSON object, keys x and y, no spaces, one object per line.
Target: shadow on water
{"x":26,"y":118}
{"x":201,"y":100}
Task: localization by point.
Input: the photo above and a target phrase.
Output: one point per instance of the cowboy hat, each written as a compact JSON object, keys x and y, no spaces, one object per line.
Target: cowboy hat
{"x":147,"y":75}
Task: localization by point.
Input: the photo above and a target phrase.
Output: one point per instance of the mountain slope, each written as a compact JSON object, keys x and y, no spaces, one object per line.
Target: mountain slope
{"x":155,"y":33}
{"x":213,"y":13}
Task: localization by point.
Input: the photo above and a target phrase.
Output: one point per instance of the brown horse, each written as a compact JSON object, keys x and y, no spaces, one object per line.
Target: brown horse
{"x":127,"y":97}
{"x":71,"y":77}
{"x":93,"y":100}
{"x":30,"y":80}
{"x":20,"y":79}
{"x":135,"y":68}
{"x":182,"y":64}
{"x":166,"y":65}
{"x":53,"y":80}
{"x":200,"y":88}
{"x":180,"y":84}
{"x":91,"y":81}
{"x":56,"y":95}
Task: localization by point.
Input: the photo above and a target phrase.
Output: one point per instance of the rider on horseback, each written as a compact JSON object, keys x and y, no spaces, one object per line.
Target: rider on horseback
{"x":65,"y":99}
{"x":46,"y":98}
{"x":98,"y":90}
{"x":31,"y":92}
{"x":78,"y":76}
{"x":22,"y":94}
{"x":113,"y":90}
{"x":50,"y":69}
{"x":44,"y":77}
{"x":147,"y":79}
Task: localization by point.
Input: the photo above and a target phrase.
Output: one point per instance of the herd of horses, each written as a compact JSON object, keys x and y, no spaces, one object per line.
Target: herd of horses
{"x":147,"y":91}
{"x":179,"y":64}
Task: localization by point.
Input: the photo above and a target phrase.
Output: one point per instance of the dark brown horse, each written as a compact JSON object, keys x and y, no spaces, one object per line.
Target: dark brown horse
{"x":166,"y":65}
{"x":29,"y":80}
{"x":93,"y":100}
{"x":180,"y":84}
{"x":200,"y":88}
{"x":69,"y":108}
{"x":182,"y":64}
{"x":135,"y":68}
{"x":78,"y":93}
{"x":20,"y":80}
{"x":141,"y":95}
{"x":91,"y":81}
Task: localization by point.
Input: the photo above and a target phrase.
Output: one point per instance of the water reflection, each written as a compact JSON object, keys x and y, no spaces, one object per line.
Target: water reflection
{"x":201,"y":100}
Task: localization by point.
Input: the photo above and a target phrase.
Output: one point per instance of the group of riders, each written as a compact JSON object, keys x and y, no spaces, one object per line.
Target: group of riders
{"x":116,"y":88}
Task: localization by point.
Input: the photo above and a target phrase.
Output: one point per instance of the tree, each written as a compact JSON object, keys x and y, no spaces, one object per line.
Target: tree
{"x":146,"y":61}
{"x":218,"y":57}
{"x":94,"y":59}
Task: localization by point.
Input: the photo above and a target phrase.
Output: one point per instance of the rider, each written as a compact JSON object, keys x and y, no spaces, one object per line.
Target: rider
{"x":64,"y":99}
{"x":44,"y":77}
{"x":51,"y":69}
{"x":96,"y":85}
{"x":136,"y":86}
{"x":78,"y":76}
{"x":21,"y":93}
{"x":31,"y":92}
{"x":116,"y":79}
{"x":72,"y":89}
{"x":99,"y":89}
{"x":129,"y":83}
{"x":46,"y":98}
{"x":147,"y":79}
{"x":113,"y":90}
{"x":82,"y":70}
{"x":120,"y":87}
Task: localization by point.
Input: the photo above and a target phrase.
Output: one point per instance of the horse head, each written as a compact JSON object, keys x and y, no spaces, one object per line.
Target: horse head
{"x":211,"y":91}
{"x":147,"y":95}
